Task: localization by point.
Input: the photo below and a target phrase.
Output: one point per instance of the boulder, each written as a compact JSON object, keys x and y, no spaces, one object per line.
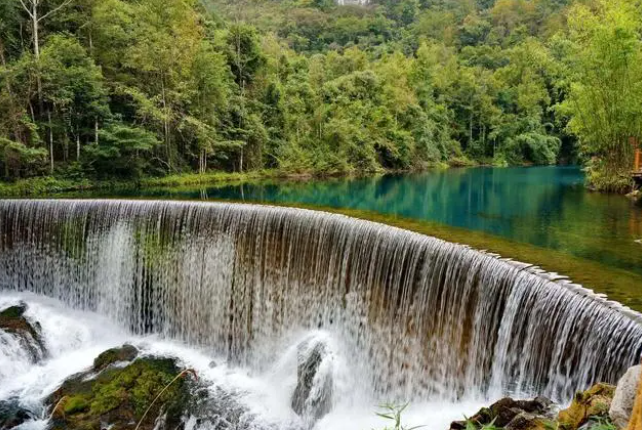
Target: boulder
{"x":526,"y":421}
{"x":312,"y":398}
{"x":124,"y":353}
{"x":118,"y":397}
{"x":13,"y":321}
{"x":593,"y":403}
{"x":12,"y":414}
{"x":624,"y":398}
{"x":518,"y":414}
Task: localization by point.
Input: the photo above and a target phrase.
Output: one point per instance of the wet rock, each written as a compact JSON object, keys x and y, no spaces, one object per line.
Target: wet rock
{"x":312,"y":397}
{"x":115,"y":355}
{"x":118,"y":397}
{"x":593,"y":403}
{"x":526,"y":421}
{"x":13,"y":321}
{"x":624,"y":398}
{"x":518,"y":414}
{"x":220,"y":408}
{"x":12,"y":414}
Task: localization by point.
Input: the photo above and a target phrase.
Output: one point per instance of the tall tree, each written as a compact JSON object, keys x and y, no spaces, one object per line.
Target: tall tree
{"x":604,"y":101}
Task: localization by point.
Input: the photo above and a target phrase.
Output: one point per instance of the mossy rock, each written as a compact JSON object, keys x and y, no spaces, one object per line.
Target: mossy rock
{"x":13,"y":321}
{"x":119,"y":396}
{"x":526,"y":421}
{"x":593,"y":403}
{"x":115,"y":355}
{"x":510,"y":413}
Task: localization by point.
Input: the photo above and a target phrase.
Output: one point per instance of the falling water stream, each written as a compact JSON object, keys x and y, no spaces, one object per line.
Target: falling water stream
{"x":404,"y":317}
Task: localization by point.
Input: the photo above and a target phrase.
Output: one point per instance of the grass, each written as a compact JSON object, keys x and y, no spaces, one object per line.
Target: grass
{"x":473,"y":426}
{"x":186,"y":179}
{"x":40,"y":186}
{"x":602,"y":424}
{"x":49,"y":185}
{"x":46,"y":185}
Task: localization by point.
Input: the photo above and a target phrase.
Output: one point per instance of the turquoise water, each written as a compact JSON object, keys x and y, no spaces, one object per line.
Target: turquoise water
{"x":543,"y":206}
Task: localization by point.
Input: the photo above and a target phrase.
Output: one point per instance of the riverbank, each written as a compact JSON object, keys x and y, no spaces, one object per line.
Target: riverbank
{"x":34,"y":187}
{"x":37,"y":187}
{"x":41,"y":186}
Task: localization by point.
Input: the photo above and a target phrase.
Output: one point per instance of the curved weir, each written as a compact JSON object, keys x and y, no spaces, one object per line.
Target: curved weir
{"x":415,"y":317}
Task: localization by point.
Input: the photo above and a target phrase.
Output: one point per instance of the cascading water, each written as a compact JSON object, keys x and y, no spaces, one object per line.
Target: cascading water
{"x":408,"y":317}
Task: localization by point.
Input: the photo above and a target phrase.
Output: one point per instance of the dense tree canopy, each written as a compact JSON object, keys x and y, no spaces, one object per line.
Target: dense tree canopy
{"x":121,"y":88}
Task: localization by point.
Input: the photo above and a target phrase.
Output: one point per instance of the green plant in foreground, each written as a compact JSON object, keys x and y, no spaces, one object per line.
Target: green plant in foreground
{"x":470,"y":425}
{"x":601,"y":424}
{"x":393,"y":412}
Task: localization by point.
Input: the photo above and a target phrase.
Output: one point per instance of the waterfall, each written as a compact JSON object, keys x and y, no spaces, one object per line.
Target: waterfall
{"x":418,"y":317}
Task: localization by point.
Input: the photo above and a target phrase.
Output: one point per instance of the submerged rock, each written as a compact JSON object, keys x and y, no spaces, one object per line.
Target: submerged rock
{"x":119,"y":396}
{"x":13,"y":322}
{"x":591,"y":404}
{"x":312,"y":398}
{"x":12,"y":414}
{"x":512,"y":414}
{"x":624,"y":398}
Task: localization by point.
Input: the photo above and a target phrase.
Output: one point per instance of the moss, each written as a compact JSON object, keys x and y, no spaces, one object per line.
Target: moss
{"x":75,"y":404}
{"x":12,"y":321}
{"x":114,"y":355}
{"x":592,"y":404}
{"x":120,"y":396}
{"x":13,"y":312}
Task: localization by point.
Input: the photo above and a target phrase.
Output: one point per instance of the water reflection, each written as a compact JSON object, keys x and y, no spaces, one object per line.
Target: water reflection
{"x":543,"y":206}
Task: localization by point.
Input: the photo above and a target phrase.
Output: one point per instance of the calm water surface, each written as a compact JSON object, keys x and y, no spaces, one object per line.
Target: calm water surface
{"x":543,"y":206}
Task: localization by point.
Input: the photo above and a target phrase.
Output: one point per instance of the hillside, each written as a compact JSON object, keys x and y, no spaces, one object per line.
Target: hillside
{"x":119,"y":89}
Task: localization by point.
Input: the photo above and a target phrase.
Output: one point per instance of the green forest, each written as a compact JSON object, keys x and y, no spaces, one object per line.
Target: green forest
{"x":97,"y":90}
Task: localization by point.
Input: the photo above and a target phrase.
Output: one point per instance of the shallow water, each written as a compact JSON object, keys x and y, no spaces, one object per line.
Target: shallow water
{"x":544,"y":206}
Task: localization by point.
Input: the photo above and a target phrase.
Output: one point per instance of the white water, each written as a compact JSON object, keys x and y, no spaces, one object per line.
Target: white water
{"x":406,"y":317}
{"x":75,"y":338}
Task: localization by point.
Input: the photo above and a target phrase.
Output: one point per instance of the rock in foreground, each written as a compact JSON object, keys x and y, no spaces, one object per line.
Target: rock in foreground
{"x":511,"y":414}
{"x":589,"y":409}
{"x":590,"y":405}
{"x":624,"y":398}
{"x":14,"y":322}
{"x":312,"y":398}
{"x":116,"y":396}
{"x":12,"y":414}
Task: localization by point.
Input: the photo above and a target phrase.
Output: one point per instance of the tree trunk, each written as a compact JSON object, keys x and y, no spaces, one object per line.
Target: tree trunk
{"x":51,"y":144}
{"x":96,"y":131}
{"x":470,"y":131}
{"x":36,"y":36}
{"x":65,"y":143}
{"x":36,"y":51}
{"x":166,"y":121}
{"x":203,"y":161}
{"x":78,"y":144}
